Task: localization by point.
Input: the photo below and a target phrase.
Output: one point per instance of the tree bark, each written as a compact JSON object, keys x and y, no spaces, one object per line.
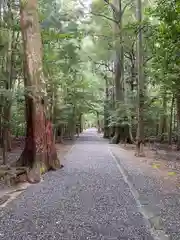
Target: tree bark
{"x":178,"y":121}
{"x":72,"y":125}
{"x":141,"y":85}
{"x":80,"y":123}
{"x":4,"y":146}
{"x":60,"y":133}
{"x":106,"y":115}
{"x":98,"y":123}
{"x":163,"y":129}
{"x":39,"y":154}
{"x":9,"y":70}
{"x":171,"y":121}
{"x":175,"y":118}
{"x":119,"y":63}
{"x":6,"y":127}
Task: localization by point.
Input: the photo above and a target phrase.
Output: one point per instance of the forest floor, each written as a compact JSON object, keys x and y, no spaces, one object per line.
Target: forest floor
{"x":164,"y":164}
{"x":8,"y":193}
{"x":103,"y":192}
{"x":165,"y":155}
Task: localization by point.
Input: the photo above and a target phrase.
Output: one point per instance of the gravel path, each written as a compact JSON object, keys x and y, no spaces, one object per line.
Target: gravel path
{"x":158,"y":196}
{"x":87,"y":199}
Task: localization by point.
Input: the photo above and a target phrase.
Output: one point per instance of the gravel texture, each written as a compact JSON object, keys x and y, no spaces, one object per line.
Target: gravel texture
{"x":87,"y":199}
{"x":159,"y":198}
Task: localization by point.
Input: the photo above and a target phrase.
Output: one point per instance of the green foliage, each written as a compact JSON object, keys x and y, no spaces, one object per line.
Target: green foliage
{"x":78,"y":62}
{"x":165,"y":47}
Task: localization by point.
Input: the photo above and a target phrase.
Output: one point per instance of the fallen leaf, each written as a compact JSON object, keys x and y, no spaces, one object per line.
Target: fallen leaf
{"x":171,"y":173}
{"x":156,"y":165}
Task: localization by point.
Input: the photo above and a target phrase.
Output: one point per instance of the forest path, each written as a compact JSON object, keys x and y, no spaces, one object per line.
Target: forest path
{"x":87,"y":199}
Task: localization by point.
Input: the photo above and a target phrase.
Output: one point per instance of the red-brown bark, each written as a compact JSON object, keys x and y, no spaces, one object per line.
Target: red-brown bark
{"x":39,"y":153}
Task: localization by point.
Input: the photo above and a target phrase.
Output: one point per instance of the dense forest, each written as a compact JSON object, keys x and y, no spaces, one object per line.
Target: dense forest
{"x":69,"y":65}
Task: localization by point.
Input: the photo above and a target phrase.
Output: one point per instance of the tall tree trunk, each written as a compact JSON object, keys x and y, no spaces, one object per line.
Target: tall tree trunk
{"x":119,"y":63}
{"x":39,"y":153}
{"x":128,"y":137}
{"x":141,"y":85}
{"x":10,"y":62}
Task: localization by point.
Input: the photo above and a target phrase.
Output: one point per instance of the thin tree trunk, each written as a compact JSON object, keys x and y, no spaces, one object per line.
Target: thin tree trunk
{"x":60,"y":133}
{"x":8,"y":82}
{"x":106,"y":115}
{"x":163,"y":119}
{"x":72,"y":125}
{"x":6,"y":126}
{"x":178,"y":120}
{"x":175,"y":118}
{"x":4,"y":146}
{"x":80,"y":123}
{"x":171,"y":121}
{"x":98,"y":123}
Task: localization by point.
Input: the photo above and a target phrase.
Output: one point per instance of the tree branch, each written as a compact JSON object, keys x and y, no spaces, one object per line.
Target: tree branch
{"x":116,"y":12}
{"x":128,"y":55}
{"x":111,"y":5}
{"x":102,"y":64}
{"x":148,"y":59}
{"x":104,"y":16}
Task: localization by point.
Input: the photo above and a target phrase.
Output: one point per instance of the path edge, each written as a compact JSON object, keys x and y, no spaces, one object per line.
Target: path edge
{"x":156,"y":234}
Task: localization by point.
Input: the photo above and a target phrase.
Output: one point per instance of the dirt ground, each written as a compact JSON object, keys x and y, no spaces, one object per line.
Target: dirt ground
{"x":163,"y":162}
{"x":17,"y":147}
